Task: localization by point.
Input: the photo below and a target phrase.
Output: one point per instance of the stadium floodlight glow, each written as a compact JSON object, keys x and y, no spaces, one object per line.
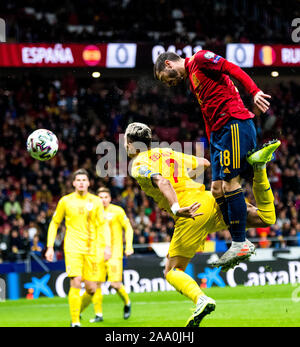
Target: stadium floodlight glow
{"x":274,"y":73}
{"x":96,"y":74}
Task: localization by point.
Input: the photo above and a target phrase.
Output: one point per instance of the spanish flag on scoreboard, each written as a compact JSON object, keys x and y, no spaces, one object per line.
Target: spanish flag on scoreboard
{"x":267,"y":55}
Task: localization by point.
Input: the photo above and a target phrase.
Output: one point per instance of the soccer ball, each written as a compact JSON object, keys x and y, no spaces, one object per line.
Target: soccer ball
{"x":42,"y":144}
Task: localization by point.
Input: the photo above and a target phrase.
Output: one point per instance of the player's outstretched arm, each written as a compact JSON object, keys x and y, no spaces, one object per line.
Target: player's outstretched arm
{"x":168,"y":191}
{"x":259,"y":97}
{"x":57,"y":218}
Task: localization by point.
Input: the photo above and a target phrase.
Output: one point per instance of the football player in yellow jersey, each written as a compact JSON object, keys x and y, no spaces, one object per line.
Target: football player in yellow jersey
{"x":112,"y":270}
{"x":86,"y":231}
{"x":166,"y":176}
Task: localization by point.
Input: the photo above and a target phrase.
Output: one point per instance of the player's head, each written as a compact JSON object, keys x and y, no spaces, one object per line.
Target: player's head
{"x":81,"y":181}
{"x":104,"y":195}
{"x":137,"y":138}
{"x":169,"y":68}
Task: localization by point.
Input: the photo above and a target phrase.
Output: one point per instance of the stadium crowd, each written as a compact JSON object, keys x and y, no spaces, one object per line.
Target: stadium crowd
{"x":83,"y":113}
{"x":156,"y":21}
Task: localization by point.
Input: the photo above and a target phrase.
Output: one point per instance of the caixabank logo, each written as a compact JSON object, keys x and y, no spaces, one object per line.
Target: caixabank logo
{"x":39,"y":286}
{"x":145,"y":274}
{"x":267,"y":266}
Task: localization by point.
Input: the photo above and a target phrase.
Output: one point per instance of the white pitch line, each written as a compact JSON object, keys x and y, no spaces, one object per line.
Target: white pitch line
{"x":218,"y":301}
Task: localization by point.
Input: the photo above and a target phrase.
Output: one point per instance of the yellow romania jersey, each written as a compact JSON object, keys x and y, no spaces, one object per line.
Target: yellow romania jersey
{"x":86,"y":227}
{"x":189,"y":235}
{"x":172,"y":165}
{"x":119,"y":222}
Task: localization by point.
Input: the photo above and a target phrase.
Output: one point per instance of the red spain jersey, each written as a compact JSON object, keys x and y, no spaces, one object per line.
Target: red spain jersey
{"x":218,"y":97}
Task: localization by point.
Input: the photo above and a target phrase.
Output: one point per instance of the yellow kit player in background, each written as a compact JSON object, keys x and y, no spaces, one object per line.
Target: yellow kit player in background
{"x":86,"y":231}
{"x":166,"y":176}
{"x":113,"y":268}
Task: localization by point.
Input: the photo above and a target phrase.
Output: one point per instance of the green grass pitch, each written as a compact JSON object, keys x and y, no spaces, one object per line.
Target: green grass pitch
{"x":262,"y":306}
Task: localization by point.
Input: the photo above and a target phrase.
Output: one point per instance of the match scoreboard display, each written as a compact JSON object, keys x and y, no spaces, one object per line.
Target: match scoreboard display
{"x":134,"y":55}
{"x":111,"y":55}
{"x":259,"y":55}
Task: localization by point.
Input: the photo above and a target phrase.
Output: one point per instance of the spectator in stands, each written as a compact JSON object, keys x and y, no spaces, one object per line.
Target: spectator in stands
{"x":12,"y":207}
{"x":36,"y":246}
{"x":170,"y":21}
{"x":5,"y":243}
{"x":15,"y":245}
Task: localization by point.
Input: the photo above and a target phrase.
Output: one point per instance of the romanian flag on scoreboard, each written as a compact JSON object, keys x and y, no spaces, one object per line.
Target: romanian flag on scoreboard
{"x":267,"y":55}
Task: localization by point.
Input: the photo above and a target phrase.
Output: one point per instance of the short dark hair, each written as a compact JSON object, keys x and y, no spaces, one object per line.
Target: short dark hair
{"x":139,"y":132}
{"x":103,"y":190}
{"x":159,"y":65}
{"x":80,"y":172}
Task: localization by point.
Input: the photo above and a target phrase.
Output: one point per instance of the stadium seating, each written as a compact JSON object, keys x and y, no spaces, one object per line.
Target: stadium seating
{"x":89,"y":112}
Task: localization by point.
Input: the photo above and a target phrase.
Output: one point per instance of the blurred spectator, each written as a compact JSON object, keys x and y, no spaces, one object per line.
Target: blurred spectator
{"x":5,"y":243}
{"x":16,"y":246}
{"x":44,"y":195}
{"x":36,"y":246}
{"x":263,"y":237}
{"x":142,"y":220}
{"x":150,"y":21}
{"x":32,"y":230}
{"x":25,"y":243}
{"x":12,"y":207}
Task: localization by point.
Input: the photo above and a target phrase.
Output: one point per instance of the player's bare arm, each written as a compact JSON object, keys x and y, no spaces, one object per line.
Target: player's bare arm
{"x":168,"y":191}
{"x":49,"y":254}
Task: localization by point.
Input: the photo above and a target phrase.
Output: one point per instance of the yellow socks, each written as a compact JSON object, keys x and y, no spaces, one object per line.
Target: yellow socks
{"x":264,"y":196}
{"x":184,"y":284}
{"x":123,"y":295}
{"x":85,"y":301}
{"x":74,"y":303}
{"x":97,"y":301}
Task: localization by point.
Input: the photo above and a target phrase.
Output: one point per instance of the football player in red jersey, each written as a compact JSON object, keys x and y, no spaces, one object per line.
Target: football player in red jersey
{"x":229,"y":128}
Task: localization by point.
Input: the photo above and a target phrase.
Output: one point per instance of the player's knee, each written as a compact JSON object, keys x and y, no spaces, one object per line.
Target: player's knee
{"x":115,"y":285}
{"x":268,"y":217}
{"x":174,"y":268}
{"x":76,"y":282}
{"x":167,"y":270}
{"x":91,"y":289}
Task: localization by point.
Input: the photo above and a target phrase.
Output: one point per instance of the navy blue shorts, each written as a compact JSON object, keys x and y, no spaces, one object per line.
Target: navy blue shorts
{"x":229,"y":147}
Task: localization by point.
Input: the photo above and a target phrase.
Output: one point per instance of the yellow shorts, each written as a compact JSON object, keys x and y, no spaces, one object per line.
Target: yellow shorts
{"x":111,"y":270}
{"x":82,"y":265}
{"x":189,"y":235}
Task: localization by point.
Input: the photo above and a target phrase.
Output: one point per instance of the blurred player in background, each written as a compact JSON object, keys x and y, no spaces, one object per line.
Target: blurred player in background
{"x":112,"y":270}
{"x":86,"y":231}
{"x":168,"y":177}
{"x":229,"y":128}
